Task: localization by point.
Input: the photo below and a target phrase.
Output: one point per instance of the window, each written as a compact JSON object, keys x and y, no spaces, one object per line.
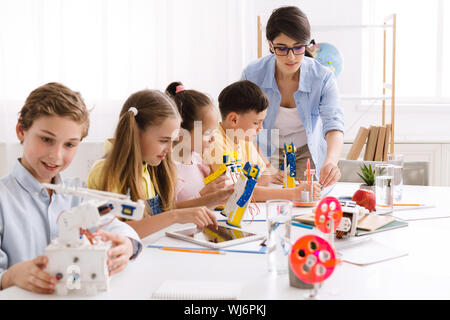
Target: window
{"x":108,"y":49}
{"x":423,"y":42}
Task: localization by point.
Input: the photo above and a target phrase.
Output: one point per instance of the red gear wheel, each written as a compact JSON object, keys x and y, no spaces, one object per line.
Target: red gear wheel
{"x":328,"y":208}
{"x":312,"y":259}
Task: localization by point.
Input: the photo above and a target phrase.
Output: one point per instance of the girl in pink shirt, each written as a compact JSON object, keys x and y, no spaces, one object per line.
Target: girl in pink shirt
{"x":199,"y":119}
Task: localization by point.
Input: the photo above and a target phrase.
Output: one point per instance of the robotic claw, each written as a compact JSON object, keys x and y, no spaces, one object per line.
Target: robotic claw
{"x":76,"y":259}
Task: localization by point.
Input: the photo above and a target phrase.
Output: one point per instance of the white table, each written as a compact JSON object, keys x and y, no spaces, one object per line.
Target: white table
{"x":422,"y":274}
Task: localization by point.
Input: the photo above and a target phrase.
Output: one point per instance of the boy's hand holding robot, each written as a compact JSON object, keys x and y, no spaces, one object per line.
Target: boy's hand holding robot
{"x":77,"y":258}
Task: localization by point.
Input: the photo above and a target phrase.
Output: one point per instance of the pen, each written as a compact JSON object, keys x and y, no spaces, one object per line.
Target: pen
{"x":412,"y":207}
{"x":408,"y":205}
{"x":301,"y":225}
{"x":262,"y":250}
{"x":193,"y":250}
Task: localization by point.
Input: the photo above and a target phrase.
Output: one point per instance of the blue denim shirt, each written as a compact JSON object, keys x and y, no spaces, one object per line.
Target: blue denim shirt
{"x":28,"y":217}
{"x":317,"y":101}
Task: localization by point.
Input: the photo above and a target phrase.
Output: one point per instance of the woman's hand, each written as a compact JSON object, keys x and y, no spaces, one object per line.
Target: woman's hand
{"x":120,"y":252}
{"x":215,"y":185}
{"x":201,"y":216}
{"x":329,"y":174}
{"x":30,"y":275}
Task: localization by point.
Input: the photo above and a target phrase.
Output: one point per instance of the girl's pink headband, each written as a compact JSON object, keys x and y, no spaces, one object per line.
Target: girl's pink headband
{"x":179,"y":88}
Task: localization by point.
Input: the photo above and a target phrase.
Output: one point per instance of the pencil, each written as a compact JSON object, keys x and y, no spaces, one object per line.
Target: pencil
{"x":194,"y":250}
{"x":301,"y":225}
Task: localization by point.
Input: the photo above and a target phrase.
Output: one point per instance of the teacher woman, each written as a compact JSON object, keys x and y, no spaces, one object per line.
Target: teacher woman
{"x":304,"y":101}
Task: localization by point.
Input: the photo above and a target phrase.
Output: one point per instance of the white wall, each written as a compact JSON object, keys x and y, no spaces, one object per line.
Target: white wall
{"x":413,"y":123}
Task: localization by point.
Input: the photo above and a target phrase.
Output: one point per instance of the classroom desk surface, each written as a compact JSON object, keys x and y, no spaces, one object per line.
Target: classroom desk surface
{"x":422,"y":274}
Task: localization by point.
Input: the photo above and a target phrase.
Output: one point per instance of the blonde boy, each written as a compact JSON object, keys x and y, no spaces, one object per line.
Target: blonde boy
{"x":51,"y":124}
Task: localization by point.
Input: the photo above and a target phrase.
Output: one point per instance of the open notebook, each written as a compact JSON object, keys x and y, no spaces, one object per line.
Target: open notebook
{"x":197,"y":290}
{"x":370,"y":223}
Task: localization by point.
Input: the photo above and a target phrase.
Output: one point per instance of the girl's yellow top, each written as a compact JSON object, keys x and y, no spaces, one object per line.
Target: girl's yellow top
{"x":94,"y":178}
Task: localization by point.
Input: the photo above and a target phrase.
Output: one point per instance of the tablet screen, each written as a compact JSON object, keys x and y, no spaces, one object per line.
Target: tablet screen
{"x":210,"y":234}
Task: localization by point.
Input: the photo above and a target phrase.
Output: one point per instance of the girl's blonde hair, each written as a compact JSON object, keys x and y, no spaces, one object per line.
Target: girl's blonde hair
{"x":122,"y":170}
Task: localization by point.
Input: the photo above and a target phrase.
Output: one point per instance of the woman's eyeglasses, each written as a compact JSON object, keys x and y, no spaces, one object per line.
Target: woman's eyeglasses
{"x":296,"y":50}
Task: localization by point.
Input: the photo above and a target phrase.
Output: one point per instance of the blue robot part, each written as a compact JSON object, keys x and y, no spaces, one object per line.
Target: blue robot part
{"x":249,"y":187}
{"x":289,"y":153}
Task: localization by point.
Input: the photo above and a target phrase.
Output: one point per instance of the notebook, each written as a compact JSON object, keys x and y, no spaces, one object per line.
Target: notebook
{"x":395,"y":224}
{"x":371,"y":223}
{"x":197,"y":290}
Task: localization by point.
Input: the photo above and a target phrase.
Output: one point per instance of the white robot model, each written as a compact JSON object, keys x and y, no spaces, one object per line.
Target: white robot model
{"x":351,"y":213}
{"x":75,"y":258}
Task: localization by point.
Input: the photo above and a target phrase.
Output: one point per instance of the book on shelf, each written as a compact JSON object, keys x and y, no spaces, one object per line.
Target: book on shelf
{"x":387,"y":141}
{"x":371,"y":143}
{"x":380,"y":143}
{"x":358,"y":144}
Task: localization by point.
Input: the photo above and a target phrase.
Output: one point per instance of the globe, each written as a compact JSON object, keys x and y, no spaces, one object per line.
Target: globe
{"x":328,"y":56}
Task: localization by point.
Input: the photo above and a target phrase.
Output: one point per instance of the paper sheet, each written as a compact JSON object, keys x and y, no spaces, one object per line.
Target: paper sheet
{"x":421,"y":213}
{"x":367,"y":252}
{"x":197,"y":290}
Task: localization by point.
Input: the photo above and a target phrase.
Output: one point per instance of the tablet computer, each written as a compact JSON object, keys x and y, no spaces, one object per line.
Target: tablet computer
{"x":209,"y":237}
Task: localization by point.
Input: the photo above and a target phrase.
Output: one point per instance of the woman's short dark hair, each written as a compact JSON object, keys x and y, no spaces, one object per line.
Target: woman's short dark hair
{"x":291,"y":21}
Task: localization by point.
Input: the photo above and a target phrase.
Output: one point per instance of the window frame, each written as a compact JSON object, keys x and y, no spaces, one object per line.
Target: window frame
{"x":438,"y":99}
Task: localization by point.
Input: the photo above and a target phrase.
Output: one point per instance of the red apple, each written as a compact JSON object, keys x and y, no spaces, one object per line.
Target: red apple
{"x":365,"y":198}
